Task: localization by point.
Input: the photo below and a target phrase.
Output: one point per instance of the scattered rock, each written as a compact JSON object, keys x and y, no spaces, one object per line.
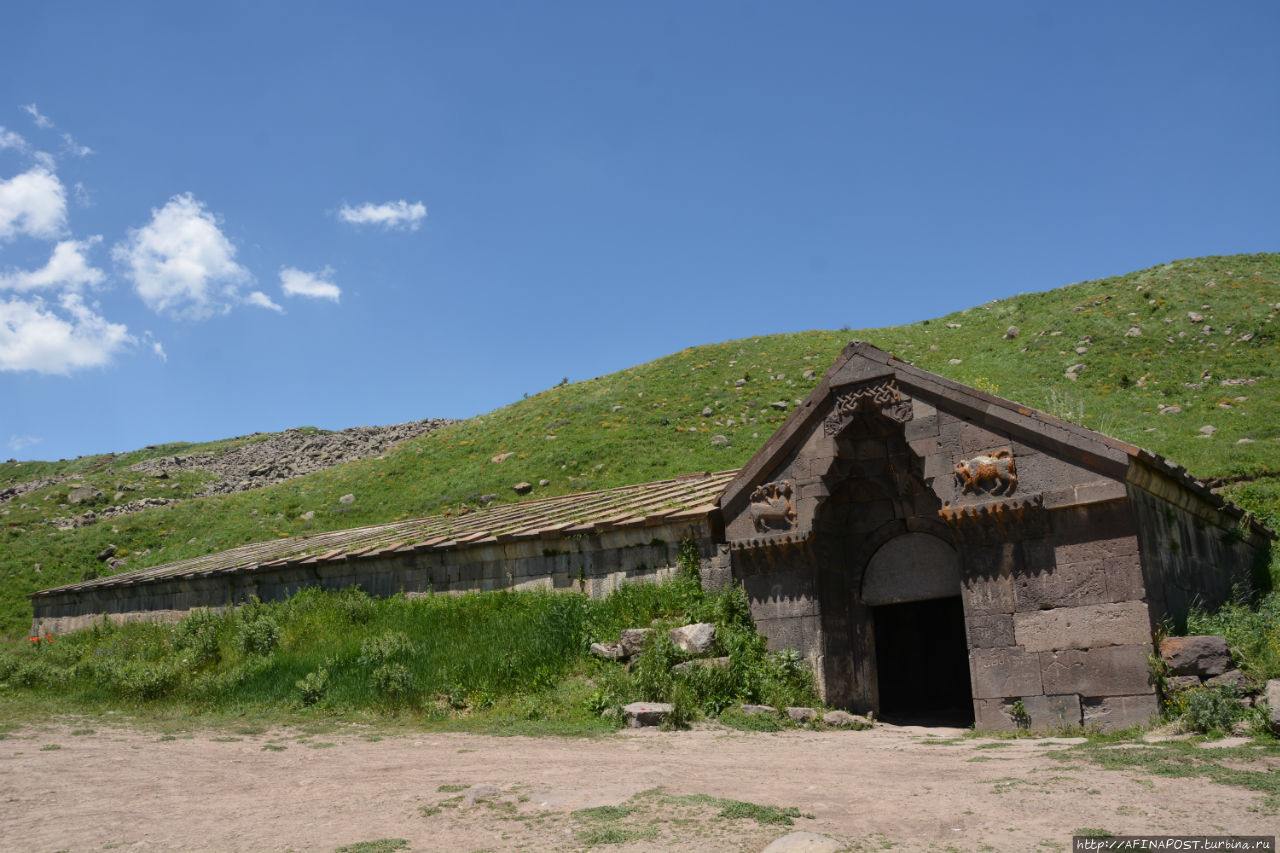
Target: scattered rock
{"x":609,"y":651}
{"x":954,"y":361}
{"x":253,"y":513}
{"x":289,"y":454}
{"x":544,"y":482}
{"x":780,"y":405}
{"x":1231,"y":678}
{"x":1195,"y":316}
{"x":616,"y":409}
{"x":1174,"y":683}
{"x":1081,"y":350}
{"x":708,"y":412}
{"x":1244,"y":441}
{"x":1170,"y":410}
{"x":759,"y":709}
{"x":522,"y":488}
{"x":695,"y":639}
{"x":802,"y":715}
{"x":81,"y":494}
{"x":479,"y":794}
{"x":718,"y":440}
{"x":641,"y":714}
{"x":1204,"y":656}
{"x":953,"y":325}
{"x":845,"y":720}
{"x":106,"y":553}
{"x":1011,"y":332}
{"x":308,"y":515}
{"x":1134,"y":332}
{"x":633,"y":640}
{"x":809,"y":374}
{"x":501,"y":457}
{"x":738,"y":383}
{"x":347,"y":499}
{"x":701,"y":663}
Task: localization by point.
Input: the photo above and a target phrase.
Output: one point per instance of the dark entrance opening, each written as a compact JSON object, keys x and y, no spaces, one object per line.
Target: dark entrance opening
{"x":922,"y":663}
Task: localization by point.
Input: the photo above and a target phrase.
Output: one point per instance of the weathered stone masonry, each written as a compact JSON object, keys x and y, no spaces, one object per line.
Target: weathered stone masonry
{"x":928,"y":547}
{"x":1061,"y":548}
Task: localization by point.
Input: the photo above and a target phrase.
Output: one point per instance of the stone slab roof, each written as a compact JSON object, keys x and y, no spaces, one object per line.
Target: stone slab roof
{"x":688,"y":497}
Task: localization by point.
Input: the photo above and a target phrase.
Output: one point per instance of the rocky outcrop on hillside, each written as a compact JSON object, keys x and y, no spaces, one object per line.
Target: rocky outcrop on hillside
{"x":290,"y":454}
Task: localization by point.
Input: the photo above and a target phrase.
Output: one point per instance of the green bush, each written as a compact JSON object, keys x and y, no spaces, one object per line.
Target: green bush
{"x":258,"y":635}
{"x":314,"y":686}
{"x":1252,"y":632}
{"x":1211,"y":710}
{"x":197,"y":634}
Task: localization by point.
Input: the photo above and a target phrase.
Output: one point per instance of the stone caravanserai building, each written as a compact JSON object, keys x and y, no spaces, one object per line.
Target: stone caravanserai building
{"x":934,"y":551}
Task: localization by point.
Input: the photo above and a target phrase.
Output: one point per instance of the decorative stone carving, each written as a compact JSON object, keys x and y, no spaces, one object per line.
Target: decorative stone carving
{"x":881,"y":395}
{"x":993,"y":523}
{"x":996,"y":467}
{"x":772,"y":507}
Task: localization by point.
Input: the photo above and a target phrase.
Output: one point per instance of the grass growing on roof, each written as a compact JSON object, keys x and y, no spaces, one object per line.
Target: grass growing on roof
{"x":646,"y":422}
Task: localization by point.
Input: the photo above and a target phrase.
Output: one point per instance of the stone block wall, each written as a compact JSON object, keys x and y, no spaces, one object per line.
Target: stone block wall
{"x":1060,"y":623}
{"x":1193,"y":553}
{"x":595,"y":564}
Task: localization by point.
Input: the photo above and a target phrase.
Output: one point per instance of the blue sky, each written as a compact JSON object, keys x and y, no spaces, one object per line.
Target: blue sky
{"x":223,"y":218}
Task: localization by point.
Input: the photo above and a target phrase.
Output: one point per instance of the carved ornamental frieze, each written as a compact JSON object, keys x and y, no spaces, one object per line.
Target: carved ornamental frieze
{"x":994,"y":523}
{"x":993,"y":473}
{"x":772,"y":507}
{"x":881,"y":395}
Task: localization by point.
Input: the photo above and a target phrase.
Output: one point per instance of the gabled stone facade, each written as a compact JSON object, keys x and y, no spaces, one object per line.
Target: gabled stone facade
{"x":932,"y":548}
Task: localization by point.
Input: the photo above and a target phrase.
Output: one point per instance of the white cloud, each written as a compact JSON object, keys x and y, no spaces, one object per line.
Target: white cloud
{"x":181,"y":263}
{"x":82,"y":195}
{"x":75,"y":148}
{"x":10,"y":139}
{"x":392,"y":214}
{"x":40,"y":120}
{"x":33,"y":203}
{"x":295,"y":282}
{"x":67,"y":268}
{"x":159,"y":351}
{"x":18,"y":442}
{"x":263,"y":301}
{"x":34,"y":337}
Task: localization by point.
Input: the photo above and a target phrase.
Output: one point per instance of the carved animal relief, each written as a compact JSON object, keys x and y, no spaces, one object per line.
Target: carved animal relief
{"x":996,"y":468}
{"x":772,"y":507}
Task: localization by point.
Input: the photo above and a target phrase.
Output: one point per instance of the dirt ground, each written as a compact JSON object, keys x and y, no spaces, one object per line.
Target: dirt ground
{"x":63,"y":788}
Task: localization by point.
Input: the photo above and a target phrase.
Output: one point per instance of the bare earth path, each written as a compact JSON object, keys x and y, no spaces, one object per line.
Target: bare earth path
{"x":919,"y":789}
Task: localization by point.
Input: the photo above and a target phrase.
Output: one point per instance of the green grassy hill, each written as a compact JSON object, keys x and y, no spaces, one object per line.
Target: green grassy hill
{"x":1200,"y":323}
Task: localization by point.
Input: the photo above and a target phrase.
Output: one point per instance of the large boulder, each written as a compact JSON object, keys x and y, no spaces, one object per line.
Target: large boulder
{"x":641,"y":714}
{"x":609,"y":651}
{"x":845,"y":720}
{"x":1204,"y":656}
{"x":1232,"y":678}
{"x":633,"y":640}
{"x":695,"y":639}
{"x":802,"y":715}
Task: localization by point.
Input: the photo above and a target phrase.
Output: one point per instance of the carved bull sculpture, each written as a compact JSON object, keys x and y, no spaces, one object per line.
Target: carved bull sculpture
{"x":997,"y":466}
{"x":771,"y":507}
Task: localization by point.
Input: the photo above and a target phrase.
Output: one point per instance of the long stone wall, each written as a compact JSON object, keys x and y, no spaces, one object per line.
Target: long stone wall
{"x":1193,"y":553}
{"x":594,"y":564}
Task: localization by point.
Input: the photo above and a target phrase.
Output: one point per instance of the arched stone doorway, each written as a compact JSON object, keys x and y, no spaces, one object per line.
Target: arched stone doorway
{"x":912,"y":586}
